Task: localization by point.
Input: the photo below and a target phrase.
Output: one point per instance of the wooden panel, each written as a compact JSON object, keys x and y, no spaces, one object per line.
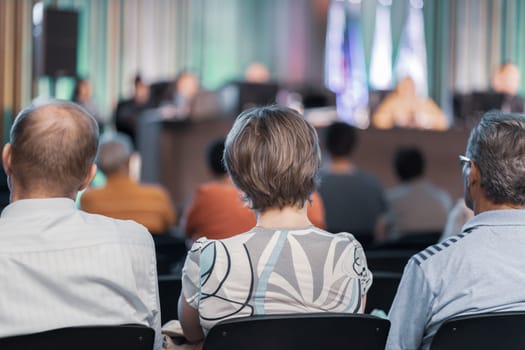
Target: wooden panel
{"x":182,"y":147}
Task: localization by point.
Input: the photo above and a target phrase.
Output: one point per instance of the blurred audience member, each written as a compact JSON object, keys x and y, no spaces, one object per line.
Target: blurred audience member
{"x":457,"y":217}
{"x":482,"y":268}
{"x":257,"y":73}
{"x":181,"y":95}
{"x":354,"y":201}
{"x":82,"y":95}
{"x":403,"y":108}
{"x":218,"y":211}
{"x":273,"y":157}
{"x":506,"y":81}
{"x":416,"y":205}
{"x":62,"y":267}
{"x":122,"y":197}
{"x":128,"y":111}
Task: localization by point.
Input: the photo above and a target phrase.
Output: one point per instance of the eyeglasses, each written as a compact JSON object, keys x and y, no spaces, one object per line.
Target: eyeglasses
{"x":464,"y":160}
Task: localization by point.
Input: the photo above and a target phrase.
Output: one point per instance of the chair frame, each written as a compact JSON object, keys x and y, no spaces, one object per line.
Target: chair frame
{"x":499,"y":330}
{"x":310,"y":331}
{"x":129,"y":337}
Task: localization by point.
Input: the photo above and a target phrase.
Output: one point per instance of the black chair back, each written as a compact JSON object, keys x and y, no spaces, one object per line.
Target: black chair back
{"x":388,"y":260}
{"x":169,"y":292}
{"x":415,"y":241}
{"x":129,"y":337}
{"x":502,"y":330}
{"x":299,"y":332}
{"x":170,"y":252}
{"x":381,"y":294}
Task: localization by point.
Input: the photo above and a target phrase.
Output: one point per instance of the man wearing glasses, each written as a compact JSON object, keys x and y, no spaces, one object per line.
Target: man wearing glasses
{"x":481,"y":269}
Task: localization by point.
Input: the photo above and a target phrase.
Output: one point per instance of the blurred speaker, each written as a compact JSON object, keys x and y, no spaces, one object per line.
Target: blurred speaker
{"x":55,"y":43}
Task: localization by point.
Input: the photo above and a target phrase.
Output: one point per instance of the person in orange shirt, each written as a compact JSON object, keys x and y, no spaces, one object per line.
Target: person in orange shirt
{"x":218,"y":211}
{"x":124,"y":198}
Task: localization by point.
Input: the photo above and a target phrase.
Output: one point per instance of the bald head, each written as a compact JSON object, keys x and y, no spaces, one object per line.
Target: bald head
{"x":52,"y":149}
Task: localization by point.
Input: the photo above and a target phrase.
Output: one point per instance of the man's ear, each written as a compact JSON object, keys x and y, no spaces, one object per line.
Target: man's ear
{"x":474,"y":175}
{"x":89,"y":177}
{"x":6,"y":158}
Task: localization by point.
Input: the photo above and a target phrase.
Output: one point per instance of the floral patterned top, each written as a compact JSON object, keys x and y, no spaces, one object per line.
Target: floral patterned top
{"x":275,"y":271}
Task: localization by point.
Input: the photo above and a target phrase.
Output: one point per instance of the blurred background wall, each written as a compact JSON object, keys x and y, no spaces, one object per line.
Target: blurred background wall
{"x":466,"y":40}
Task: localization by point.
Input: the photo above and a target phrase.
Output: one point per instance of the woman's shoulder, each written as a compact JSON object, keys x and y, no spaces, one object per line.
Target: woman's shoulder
{"x":203,"y":242}
{"x":339,"y":236}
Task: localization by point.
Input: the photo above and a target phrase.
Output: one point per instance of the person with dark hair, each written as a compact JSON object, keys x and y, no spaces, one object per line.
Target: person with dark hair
{"x":218,"y":211}
{"x":128,"y":111}
{"x":63,"y":267}
{"x":124,"y":198}
{"x":354,"y":200}
{"x":482,"y":268}
{"x":416,"y":205}
{"x":284,"y":264}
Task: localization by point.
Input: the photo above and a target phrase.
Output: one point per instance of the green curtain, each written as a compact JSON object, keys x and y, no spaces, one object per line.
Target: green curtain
{"x":466,"y":40}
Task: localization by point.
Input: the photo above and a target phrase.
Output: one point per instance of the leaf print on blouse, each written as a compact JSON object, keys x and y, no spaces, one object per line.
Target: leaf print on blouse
{"x":339,"y":284}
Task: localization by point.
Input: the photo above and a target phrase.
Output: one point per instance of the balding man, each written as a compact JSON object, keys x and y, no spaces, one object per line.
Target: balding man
{"x":61,"y":267}
{"x":124,"y":198}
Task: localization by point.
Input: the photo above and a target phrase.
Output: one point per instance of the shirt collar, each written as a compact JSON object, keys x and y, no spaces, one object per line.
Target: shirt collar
{"x":504,"y":217}
{"x":119,"y":179}
{"x":25,"y":207}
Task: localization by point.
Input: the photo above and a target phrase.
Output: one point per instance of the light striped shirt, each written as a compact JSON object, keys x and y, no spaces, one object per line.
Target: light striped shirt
{"x":480,"y":270}
{"x":61,"y":267}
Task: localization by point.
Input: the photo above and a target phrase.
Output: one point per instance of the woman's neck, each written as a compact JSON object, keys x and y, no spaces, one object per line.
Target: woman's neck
{"x":287,"y":217}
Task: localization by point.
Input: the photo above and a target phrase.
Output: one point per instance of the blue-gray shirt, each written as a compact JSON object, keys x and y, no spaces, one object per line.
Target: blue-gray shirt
{"x":480,"y":270}
{"x":353,"y":202}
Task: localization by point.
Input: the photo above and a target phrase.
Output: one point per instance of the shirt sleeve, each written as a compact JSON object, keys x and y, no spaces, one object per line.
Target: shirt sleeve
{"x":144,"y":264}
{"x":360,"y":265}
{"x":411,"y":310}
{"x":191,"y":274}
{"x":155,"y":322}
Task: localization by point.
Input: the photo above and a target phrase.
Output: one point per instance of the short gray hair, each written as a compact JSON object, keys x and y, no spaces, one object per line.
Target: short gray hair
{"x":497,"y":146}
{"x":114,"y":152}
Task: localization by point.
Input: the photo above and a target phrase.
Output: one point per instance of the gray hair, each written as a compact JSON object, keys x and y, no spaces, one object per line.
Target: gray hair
{"x":114,"y":152}
{"x":497,"y":146}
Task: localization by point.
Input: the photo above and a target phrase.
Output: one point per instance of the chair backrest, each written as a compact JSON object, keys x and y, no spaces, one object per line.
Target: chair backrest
{"x":299,"y":331}
{"x":129,"y":337}
{"x":169,"y":292}
{"x":415,"y":241}
{"x":502,"y":330}
{"x":381,"y":294}
{"x":388,"y":260}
